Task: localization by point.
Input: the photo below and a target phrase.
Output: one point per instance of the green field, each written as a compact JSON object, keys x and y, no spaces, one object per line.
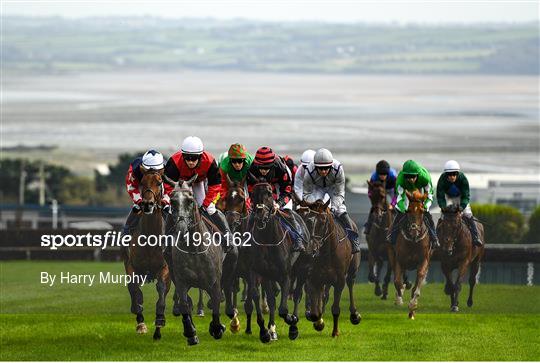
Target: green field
{"x":94,"y":323}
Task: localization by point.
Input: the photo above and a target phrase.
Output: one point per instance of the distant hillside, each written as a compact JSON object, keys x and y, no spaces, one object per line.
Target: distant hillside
{"x":57,"y":45}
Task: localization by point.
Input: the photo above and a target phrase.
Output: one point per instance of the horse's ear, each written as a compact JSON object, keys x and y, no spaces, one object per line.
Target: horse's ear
{"x":369,"y":183}
{"x":326,"y":204}
{"x":229,"y":180}
{"x":409,"y":195}
{"x":191,"y":180}
{"x":251,"y":176}
{"x":169,"y":181}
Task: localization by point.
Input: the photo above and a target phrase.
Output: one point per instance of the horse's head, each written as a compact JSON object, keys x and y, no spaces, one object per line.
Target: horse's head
{"x":449,"y":228}
{"x":263,"y":200}
{"x":317,"y":216}
{"x":184,"y":202}
{"x":415,"y":214}
{"x":377,"y":196}
{"x":152,"y":187}
{"x":416,"y":201}
{"x":235,"y":203}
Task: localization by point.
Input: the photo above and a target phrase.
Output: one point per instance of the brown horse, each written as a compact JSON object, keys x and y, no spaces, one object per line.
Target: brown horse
{"x":378,"y":246}
{"x":332,"y":265}
{"x":234,"y":206}
{"x":458,"y":252}
{"x":412,"y":250}
{"x":148,"y":260}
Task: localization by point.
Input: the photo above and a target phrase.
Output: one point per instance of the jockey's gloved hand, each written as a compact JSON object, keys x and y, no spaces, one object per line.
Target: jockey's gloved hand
{"x":276,"y":205}
{"x":210,"y":209}
{"x":136,"y":208}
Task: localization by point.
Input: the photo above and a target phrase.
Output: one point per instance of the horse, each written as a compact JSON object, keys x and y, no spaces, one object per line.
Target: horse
{"x":148,"y":260}
{"x":234,"y":206}
{"x":458,"y":252}
{"x":197,"y":260}
{"x":378,"y":246}
{"x":412,"y":250}
{"x":332,"y":264}
{"x":270,"y":258}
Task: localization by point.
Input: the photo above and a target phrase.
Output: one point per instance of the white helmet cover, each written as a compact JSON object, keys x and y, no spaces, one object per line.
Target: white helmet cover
{"x":152,"y":160}
{"x":323,"y":157}
{"x":192,"y":145}
{"x":450,"y":166}
{"x":307,"y":156}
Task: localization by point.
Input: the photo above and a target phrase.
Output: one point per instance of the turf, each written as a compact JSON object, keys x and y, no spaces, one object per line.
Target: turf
{"x":93,"y":323}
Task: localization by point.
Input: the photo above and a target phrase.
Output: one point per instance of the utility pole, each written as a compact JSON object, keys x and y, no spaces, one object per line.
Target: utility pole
{"x":54,"y":207}
{"x":22,"y":182}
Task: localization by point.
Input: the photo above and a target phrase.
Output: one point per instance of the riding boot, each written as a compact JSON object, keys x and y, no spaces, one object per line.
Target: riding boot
{"x":351,"y":233}
{"x":396,"y":225}
{"x":295,"y":230}
{"x":368,"y":224}
{"x":221,"y":223}
{"x":471,"y":224}
{"x":432,"y":231}
{"x":131,"y":223}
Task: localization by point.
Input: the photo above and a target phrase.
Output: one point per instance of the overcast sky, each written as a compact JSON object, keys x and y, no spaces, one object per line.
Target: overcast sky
{"x":282,"y":10}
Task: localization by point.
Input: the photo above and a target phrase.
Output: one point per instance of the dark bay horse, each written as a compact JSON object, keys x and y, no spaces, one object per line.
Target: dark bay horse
{"x":270,"y":258}
{"x":148,"y":260}
{"x":458,"y":252}
{"x":332,"y":265}
{"x":197,"y":261}
{"x":412,"y":250}
{"x":378,"y":246}
{"x":236,"y":265}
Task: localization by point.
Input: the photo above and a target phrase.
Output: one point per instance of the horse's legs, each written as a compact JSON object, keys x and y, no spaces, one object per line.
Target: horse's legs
{"x":216,"y":328}
{"x":406,"y":281}
{"x":387,"y":278}
{"x":285,"y":287}
{"x":162,"y":286}
{"x":475,"y":268}
{"x":371,"y":267}
{"x":462,"y":269}
{"x":378,"y":267}
{"x":297,"y":297}
{"x":398,"y":283}
{"x":421,"y":273}
{"x":338,"y":289}
{"x":200,"y":304}
{"x":185,"y":309}
{"x":355,"y":315}
{"x":253,"y":291}
{"x":271,"y":299}
{"x":248,"y":308}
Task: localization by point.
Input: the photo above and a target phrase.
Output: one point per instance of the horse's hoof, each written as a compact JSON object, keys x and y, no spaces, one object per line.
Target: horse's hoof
{"x":273,"y":335}
{"x":290,"y":319}
{"x":384,"y":297}
{"x":141,"y":328}
{"x":293,"y":332}
{"x":335,"y":334}
{"x":308,"y":315}
{"x":157,"y":335}
{"x":216,"y":330}
{"x":469,"y":303}
{"x":454,"y":309}
{"x":200,"y":313}
{"x":355,"y":318}
{"x":264,"y":336}
{"x":319,"y":325}
{"x":378,"y":291}
{"x":235,"y":325}
{"x":194,"y":340}
{"x":371,"y":277}
{"x":248,"y":332}
{"x":411,"y":315}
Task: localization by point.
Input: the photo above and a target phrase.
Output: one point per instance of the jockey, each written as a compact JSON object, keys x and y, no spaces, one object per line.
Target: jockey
{"x":453,"y":188}
{"x":307,"y":157}
{"x":235,"y":165}
{"x":291,"y":165}
{"x":385,"y":174}
{"x":192,"y":160}
{"x":151,"y":160}
{"x":272,"y":169}
{"x":413,"y":176}
{"x":323,"y":176}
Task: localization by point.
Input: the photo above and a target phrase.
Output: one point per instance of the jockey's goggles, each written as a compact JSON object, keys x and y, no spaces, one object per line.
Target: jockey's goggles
{"x":237,"y":161}
{"x":323,"y":167}
{"x":191,"y":157}
{"x":410,"y":176}
{"x":452,"y":173}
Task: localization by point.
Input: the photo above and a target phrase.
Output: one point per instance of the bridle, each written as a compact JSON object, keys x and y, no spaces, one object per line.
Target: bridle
{"x":326,"y":232}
